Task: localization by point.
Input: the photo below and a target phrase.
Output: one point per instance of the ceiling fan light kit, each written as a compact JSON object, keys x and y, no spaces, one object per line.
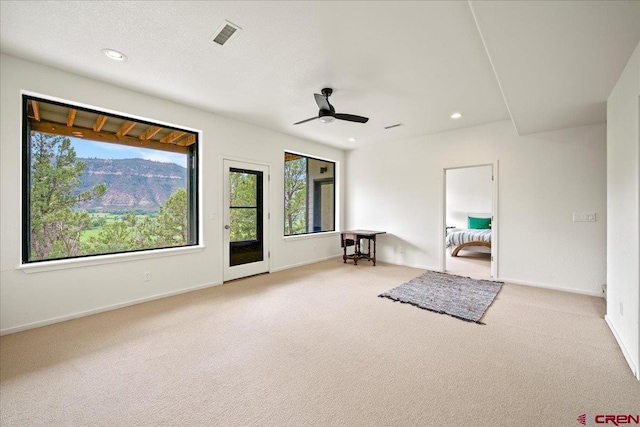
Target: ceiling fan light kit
{"x":327,"y":119}
{"x":327,"y":113}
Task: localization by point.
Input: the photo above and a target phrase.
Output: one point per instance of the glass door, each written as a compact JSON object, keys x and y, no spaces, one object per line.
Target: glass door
{"x":246,"y":220}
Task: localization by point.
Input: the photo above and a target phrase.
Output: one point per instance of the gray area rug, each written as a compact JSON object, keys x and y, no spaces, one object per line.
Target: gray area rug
{"x":457,"y":296}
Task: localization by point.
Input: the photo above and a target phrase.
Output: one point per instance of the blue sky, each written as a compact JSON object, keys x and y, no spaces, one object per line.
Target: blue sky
{"x":102,"y":150}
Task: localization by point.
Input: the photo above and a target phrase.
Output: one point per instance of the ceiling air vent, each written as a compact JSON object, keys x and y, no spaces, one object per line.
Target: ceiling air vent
{"x":393,"y":126}
{"x":225,"y":32}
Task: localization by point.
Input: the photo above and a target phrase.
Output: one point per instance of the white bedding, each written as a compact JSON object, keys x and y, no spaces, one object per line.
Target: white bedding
{"x":456,"y":238}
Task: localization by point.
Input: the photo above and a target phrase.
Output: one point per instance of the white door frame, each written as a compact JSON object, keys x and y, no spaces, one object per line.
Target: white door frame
{"x":239,"y":271}
{"x":494,"y":215}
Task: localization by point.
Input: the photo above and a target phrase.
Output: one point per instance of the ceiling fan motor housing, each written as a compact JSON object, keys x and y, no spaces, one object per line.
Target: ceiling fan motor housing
{"x":326,"y":116}
{"x":327,"y":113}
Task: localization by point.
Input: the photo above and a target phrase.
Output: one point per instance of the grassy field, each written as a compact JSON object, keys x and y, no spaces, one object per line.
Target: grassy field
{"x":86,"y":235}
{"x":108,"y":218}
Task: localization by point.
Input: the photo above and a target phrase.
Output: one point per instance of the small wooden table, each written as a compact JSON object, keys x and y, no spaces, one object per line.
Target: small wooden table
{"x":353,"y":238}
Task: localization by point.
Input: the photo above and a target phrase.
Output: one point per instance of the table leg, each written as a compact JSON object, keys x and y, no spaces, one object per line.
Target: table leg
{"x":356,"y":245}
{"x":374,"y":250}
{"x":344,"y":245}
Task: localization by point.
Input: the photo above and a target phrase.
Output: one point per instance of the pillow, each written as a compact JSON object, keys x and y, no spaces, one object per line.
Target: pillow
{"x":479,"y":223}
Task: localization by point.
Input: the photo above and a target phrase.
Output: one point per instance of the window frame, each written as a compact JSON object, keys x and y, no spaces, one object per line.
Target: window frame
{"x":334,"y":199}
{"x":194,"y":228}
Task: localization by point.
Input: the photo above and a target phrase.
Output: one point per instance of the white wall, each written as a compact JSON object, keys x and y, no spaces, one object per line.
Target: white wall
{"x":469,"y":191}
{"x":623,"y":206}
{"x":543,"y":179}
{"x":39,"y":298}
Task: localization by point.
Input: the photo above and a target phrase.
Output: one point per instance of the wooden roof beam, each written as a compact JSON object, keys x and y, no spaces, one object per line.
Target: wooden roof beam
{"x":86,"y":133}
{"x":289,"y":157}
{"x":71,"y":117}
{"x":172,"y":136}
{"x":187,"y":140}
{"x":125,"y":128}
{"x":36,"y":110}
{"x":99,"y":123}
{"x":150,"y":132}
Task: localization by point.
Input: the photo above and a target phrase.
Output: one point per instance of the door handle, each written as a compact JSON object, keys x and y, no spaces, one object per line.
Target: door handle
{"x":226,"y":227}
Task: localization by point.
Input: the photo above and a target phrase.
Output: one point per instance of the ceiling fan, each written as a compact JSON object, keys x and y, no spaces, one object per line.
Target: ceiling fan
{"x":327,"y":113}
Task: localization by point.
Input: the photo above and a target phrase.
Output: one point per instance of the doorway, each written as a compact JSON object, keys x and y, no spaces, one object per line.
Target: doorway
{"x":470,"y":215}
{"x":246,"y":219}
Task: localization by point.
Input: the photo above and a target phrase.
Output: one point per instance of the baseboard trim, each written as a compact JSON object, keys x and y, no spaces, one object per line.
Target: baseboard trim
{"x":625,"y":353}
{"x":300,"y":264}
{"x":79,"y":314}
{"x":419,"y":266}
{"x":555,"y":288}
{"x":502,"y":279}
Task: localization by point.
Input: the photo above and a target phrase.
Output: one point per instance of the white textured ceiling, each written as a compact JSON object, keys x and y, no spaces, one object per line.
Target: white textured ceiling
{"x":558,"y":61}
{"x":544,"y":64}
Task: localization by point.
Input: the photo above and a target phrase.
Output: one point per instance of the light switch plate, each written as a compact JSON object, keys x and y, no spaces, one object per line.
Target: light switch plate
{"x":584,"y":217}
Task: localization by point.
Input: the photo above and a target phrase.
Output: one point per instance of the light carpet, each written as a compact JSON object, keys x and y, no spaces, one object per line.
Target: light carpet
{"x":310,"y":346}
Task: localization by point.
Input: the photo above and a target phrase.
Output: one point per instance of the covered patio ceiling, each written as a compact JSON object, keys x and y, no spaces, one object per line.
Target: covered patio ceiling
{"x":59,"y":119}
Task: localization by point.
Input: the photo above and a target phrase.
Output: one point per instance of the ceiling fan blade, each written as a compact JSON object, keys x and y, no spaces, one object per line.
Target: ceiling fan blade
{"x":307,"y":120}
{"x":351,"y":118}
{"x":322,"y":102}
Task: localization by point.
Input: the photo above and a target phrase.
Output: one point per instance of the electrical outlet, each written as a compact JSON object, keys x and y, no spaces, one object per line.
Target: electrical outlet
{"x":147,"y":276}
{"x":401,"y":249}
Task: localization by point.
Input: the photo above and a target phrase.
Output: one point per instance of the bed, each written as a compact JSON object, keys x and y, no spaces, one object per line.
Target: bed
{"x":478,"y":234}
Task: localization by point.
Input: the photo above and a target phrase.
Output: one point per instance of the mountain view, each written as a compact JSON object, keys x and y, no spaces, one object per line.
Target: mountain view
{"x":103,"y":204}
{"x":132,"y":184}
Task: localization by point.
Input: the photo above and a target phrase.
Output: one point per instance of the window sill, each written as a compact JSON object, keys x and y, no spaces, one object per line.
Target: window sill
{"x":63,"y":264}
{"x":311,"y":236}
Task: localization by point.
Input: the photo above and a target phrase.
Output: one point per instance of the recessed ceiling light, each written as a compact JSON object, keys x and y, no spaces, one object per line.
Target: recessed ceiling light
{"x":114,"y":54}
{"x":351,"y":140}
{"x":456,"y":115}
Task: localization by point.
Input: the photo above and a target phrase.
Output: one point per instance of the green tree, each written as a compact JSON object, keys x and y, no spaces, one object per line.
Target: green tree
{"x":144,"y":231}
{"x":295,"y":195}
{"x":133,"y":232}
{"x":172,"y":220}
{"x":243,"y":206}
{"x":113,"y":237}
{"x":98,"y":222}
{"x":55,"y":173}
{"x":67,"y":234}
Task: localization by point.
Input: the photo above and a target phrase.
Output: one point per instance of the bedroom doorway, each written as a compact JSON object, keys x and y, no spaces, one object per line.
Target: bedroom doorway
{"x":469,"y":216}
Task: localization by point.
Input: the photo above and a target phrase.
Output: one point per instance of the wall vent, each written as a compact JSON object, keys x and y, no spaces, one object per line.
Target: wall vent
{"x":225,"y":32}
{"x":393,"y":126}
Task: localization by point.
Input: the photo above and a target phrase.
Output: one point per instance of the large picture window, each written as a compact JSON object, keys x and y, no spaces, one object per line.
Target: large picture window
{"x":309,"y":195}
{"x":95,"y":183}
